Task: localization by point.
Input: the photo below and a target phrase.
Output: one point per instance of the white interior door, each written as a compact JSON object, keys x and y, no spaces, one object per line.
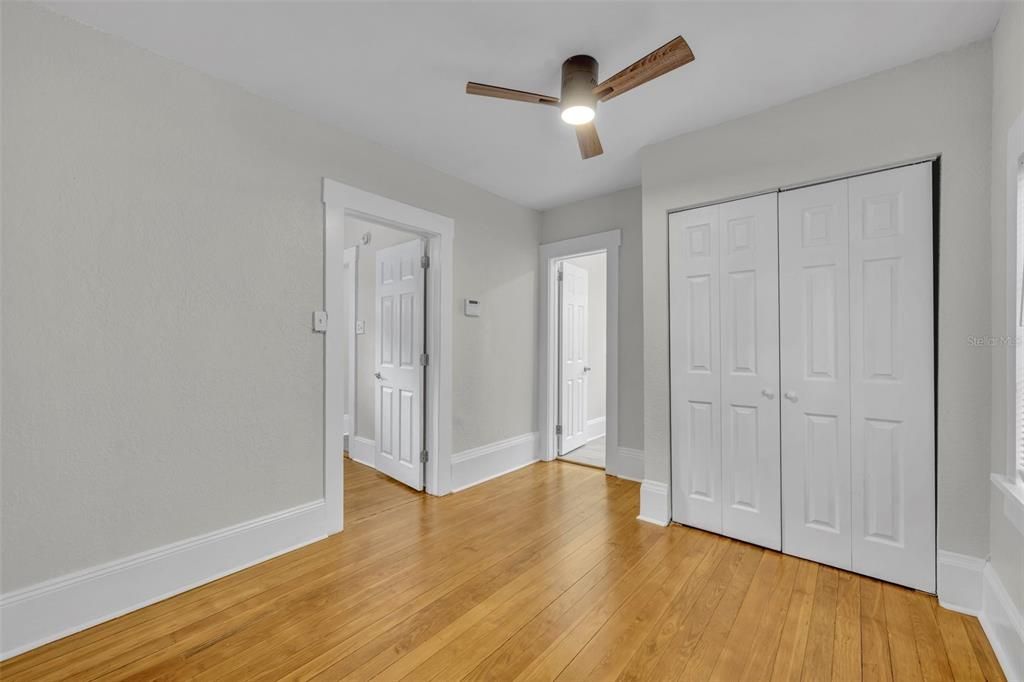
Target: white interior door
{"x":574,"y":369}
{"x":892,"y":376}
{"x":725,"y":369}
{"x":749,"y":286}
{"x":400,"y":285}
{"x":696,"y":383}
{"x":815,"y":351}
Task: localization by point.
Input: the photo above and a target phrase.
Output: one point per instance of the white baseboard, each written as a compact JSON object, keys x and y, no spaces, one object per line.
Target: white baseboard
{"x":970,"y":585}
{"x":630,"y":465}
{"x":46,"y":611}
{"x":654,"y":503}
{"x":362,"y":450}
{"x":594,"y":429}
{"x":1004,"y":625}
{"x":474,"y":466}
{"x":960,"y":582}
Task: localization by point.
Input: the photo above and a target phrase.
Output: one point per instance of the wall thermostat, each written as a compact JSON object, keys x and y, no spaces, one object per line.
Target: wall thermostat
{"x":472,"y":307}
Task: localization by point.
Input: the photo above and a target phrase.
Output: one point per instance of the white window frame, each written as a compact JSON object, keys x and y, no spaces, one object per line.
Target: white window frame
{"x":1009,"y":480}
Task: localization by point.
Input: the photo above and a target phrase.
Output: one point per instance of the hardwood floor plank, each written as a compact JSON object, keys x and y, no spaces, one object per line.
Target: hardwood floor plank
{"x":846,"y":645}
{"x":821,"y":630}
{"x":544,"y":573}
{"x":875,"y":659}
{"x":644,"y":663}
{"x":983,"y":652}
{"x":931,"y":651}
{"x":961,"y":656}
{"x":789,"y":659}
{"x":900,"y":627}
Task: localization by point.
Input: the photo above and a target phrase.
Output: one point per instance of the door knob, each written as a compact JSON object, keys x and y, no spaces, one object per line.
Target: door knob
{"x":768,"y":393}
{"x":377,"y":374}
{"x":790,"y":396}
{"x":586,"y":369}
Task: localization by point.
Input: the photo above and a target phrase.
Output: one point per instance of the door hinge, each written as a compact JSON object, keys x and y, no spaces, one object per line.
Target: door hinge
{"x":424,"y":456}
{"x":560,"y":275}
{"x":558,"y":430}
{"x":424,"y":359}
{"x":424,"y":262}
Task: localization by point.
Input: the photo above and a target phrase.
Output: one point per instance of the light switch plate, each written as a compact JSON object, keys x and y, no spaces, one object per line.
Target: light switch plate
{"x":320,"y":321}
{"x":360,"y":326}
{"x":472,"y":307}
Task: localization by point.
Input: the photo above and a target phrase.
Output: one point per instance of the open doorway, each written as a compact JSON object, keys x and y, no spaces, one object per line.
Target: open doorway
{"x":579,"y":349}
{"x":582,"y":346}
{"x":405,"y":346}
{"x":385,"y":305}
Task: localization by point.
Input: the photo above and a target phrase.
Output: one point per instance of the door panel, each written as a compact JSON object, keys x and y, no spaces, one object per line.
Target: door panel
{"x":574,"y":369}
{"x":399,"y":327}
{"x":695,"y":374}
{"x":749,"y":263}
{"x":815,"y":335}
{"x":892,"y":389}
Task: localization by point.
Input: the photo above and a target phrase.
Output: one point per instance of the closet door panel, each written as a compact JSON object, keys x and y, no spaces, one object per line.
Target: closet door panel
{"x":748,"y":250}
{"x":695,"y":368}
{"x":892,"y":389}
{"x":815,"y":372}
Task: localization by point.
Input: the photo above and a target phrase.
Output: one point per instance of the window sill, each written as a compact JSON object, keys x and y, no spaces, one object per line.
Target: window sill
{"x":1013,"y":500}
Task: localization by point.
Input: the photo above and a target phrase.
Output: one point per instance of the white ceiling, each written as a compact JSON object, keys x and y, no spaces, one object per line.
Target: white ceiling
{"x":395,"y":73}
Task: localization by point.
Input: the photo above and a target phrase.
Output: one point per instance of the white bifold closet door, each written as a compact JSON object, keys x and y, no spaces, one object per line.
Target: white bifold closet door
{"x":857,"y":368}
{"x":724,"y":326}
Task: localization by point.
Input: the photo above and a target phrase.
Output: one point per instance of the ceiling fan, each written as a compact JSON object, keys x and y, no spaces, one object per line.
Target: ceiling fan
{"x":581,"y":92}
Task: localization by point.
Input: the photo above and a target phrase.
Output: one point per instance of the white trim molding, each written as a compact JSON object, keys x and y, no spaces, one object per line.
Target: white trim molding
{"x":56,"y":608}
{"x":341,"y":201}
{"x":594,"y":429}
{"x":362,"y":450}
{"x":959,"y":582}
{"x":654,"y":507}
{"x":971,"y":585}
{"x":1004,"y":625}
{"x":1013,"y":500}
{"x":476,"y":465}
{"x":630,"y":465}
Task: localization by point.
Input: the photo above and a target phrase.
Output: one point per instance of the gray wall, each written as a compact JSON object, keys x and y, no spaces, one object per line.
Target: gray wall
{"x":937,"y":105}
{"x":618,"y":210}
{"x":163,"y":252}
{"x":596,"y":266}
{"x":1007,"y":104}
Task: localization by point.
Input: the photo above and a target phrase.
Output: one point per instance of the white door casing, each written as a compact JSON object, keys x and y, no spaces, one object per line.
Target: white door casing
{"x":724,"y":331}
{"x":749,"y":286}
{"x":815,"y":342}
{"x":398,"y":394}
{"x":574,"y":353}
{"x":695,"y":375}
{"x":350,"y":279}
{"x":892,"y":389}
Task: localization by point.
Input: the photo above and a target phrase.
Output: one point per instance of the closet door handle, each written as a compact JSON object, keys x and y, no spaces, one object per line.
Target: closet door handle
{"x":790,"y":396}
{"x":768,"y":393}
{"x":377,"y":374}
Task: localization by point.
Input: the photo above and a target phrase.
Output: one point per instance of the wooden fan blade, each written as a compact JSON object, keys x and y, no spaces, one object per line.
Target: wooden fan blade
{"x":508,"y":93}
{"x":669,"y":56}
{"x":590,"y":143}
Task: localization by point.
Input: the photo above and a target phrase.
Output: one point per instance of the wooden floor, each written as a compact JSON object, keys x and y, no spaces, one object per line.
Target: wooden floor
{"x":544,"y":573}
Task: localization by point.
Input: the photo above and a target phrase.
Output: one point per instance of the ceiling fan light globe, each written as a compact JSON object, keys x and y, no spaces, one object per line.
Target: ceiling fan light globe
{"x":578,"y":115}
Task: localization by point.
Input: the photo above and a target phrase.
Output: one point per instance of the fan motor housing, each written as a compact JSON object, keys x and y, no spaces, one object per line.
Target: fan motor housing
{"x":579,"y":78}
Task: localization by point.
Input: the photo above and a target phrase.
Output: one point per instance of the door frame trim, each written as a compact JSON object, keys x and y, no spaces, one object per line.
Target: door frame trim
{"x":551,"y":255}
{"x":342,"y":200}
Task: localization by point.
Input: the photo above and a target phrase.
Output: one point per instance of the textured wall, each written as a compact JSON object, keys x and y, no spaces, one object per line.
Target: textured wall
{"x":1007,"y":106}
{"x":163,"y":252}
{"x":936,"y":105}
